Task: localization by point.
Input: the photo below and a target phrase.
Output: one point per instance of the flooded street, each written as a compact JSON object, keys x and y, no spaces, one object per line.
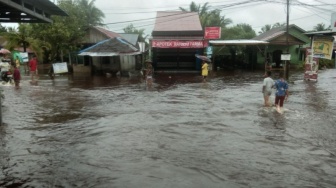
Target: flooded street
{"x":182,"y":133}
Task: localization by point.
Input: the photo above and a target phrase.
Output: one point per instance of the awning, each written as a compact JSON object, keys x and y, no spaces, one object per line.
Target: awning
{"x":243,"y":42}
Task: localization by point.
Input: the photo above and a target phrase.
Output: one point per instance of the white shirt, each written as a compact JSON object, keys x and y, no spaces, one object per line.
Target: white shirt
{"x":4,"y":66}
{"x":268,"y":83}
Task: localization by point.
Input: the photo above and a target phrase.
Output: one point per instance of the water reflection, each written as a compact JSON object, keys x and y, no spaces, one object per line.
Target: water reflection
{"x":113,"y":132}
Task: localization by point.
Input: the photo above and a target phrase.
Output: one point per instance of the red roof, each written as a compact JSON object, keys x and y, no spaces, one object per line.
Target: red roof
{"x":177,"y":21}
{"x":109,"y":34}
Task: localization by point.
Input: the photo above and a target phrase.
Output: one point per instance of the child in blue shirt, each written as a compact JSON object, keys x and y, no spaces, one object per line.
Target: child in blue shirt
{"x":281,"y":93}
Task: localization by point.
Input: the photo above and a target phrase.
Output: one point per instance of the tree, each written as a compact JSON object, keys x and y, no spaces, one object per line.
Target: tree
{"x":276,"y":25}
{"x":22,"y":37}
{"x":320,"y":27}
{"x":131,"y":29}
{"x":213,"y":18}
{"x":66,"y":34}
{"x":265,"y":28}
{"x":239,"y":31}
{"x":3,"y":29}
{"x":92,"y":16}
{"x":208,"y":18}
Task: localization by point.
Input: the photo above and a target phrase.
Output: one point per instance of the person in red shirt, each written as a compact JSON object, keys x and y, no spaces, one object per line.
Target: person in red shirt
{"x":17,"y":76}
{"x":33,"y":68}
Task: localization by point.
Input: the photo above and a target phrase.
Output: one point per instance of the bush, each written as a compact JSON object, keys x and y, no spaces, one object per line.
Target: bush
{"x":326,"y":62}
{"x":322,"y":62}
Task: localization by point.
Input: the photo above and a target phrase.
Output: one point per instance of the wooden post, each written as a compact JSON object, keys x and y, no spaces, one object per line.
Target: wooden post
{"x":0,"y":107}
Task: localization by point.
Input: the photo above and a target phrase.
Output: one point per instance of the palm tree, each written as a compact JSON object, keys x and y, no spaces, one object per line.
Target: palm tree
{"x":208,"y":18}
{"x":276,"y":25}
{"x":22,"y":37}
{"x":131,"y":29}
{"x":92,"y":15}
{"x":265,"y":28}
{"x":320,"y":27}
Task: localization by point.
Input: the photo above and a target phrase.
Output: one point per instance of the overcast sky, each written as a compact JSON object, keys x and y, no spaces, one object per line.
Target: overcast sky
{"x":257,"y":13}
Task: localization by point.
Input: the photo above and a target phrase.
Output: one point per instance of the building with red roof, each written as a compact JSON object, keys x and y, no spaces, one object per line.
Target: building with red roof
{"x":176,"y":38}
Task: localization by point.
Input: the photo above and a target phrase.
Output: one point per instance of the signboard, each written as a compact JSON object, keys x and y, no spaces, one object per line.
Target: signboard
{"x":24,"y":56}
{"x":322,"y":46}
{"x":177,"y":44}
{"x":209,"y":50}
{"x":285,"y":57}
{"x":212,"y":33}
{"x":333,"y":22}
{"x":60,"y":68}
{"x":311,"y":66}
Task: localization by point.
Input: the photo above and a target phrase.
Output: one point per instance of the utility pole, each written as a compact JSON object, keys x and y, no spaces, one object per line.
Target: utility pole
{"x":287,"y":43}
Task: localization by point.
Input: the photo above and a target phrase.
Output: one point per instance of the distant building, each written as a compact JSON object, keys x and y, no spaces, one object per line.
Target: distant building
{"x":176,"y":38}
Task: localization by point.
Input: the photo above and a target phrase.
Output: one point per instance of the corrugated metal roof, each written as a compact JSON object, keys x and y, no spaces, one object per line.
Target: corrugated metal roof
{"x":276,"y":32}
{"x":321,"y":33}
{"x":177,"y":21}
{"x":131,"y":38}
{"x":236,"y":42}
{"x":111,"y":47}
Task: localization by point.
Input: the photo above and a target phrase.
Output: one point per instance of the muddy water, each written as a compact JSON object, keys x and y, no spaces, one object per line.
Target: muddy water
{"x":110,"y":132}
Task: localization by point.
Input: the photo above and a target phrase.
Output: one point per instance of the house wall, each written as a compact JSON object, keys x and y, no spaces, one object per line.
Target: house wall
{"x":127,"y":63}
{"x":105,"y":64}
{"x":94,"y":36}
{"x":297,"y":55}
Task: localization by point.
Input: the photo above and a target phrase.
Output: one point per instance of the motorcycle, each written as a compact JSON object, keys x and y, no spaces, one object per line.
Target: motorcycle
{"x":7,"y":76}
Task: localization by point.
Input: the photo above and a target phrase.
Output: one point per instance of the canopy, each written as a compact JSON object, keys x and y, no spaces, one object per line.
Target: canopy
{"x":17,"y":55}
{"x":242,"y":42}
{"x":110,"y":47}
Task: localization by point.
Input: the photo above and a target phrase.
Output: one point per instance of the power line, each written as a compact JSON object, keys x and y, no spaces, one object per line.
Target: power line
{"x":233,"y":5}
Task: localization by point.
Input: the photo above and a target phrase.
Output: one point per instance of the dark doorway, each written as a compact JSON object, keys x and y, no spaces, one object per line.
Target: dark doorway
{"x":277,"y":58}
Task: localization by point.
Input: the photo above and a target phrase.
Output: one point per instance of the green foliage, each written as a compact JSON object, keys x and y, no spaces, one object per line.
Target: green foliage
{"x":208,"y":18}
{"x":2,"y":28}
{"x":131,"y":29}
{"x":322,"y":63}
{"x":239,"y":31}
{"x":23,"y":37}
{"x":321,"y":27}
{"x":326,"y":63}
{"x":268,"y":27}
{"x":67,"y":33}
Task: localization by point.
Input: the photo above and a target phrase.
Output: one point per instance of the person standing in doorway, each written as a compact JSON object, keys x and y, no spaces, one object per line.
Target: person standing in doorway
{"x":281,"y":93}
{"x":205,"y":70}
{"x":267,"y":88}
{"x":33,"y":68}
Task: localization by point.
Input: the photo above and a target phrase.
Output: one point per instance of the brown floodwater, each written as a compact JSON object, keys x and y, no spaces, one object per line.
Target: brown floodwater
{"x":78,"y":131}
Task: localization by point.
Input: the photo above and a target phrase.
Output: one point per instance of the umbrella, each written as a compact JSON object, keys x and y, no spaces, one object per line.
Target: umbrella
{"x":4,"y":51}
{"x":203,"y":58}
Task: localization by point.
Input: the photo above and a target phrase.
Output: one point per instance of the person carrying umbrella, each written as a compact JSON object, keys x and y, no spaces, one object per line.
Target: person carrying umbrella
{"x":205,"y":70}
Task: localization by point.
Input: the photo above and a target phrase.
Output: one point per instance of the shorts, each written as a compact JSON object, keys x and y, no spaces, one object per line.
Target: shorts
{"x":279,"y":100}
{"x":267,"y":93}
